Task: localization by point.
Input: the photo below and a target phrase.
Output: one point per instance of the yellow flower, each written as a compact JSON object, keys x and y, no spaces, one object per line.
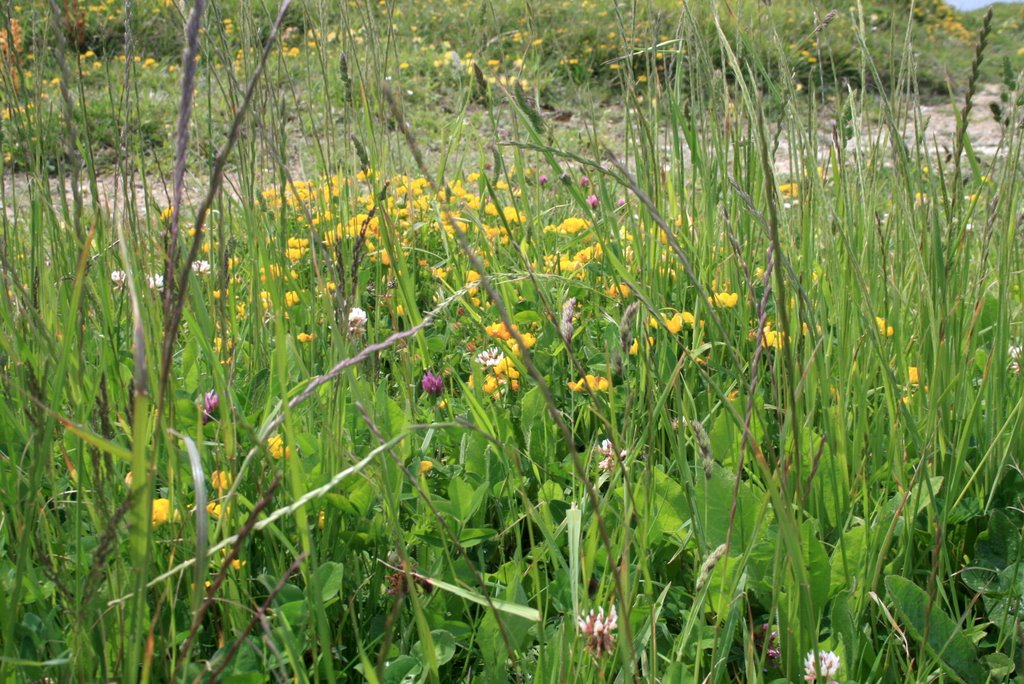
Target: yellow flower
{"x":634,"y":348}
{"x":884,"y":329}
{"x":277,"y":448}
{"x":498,"y":330}
{"x":913,"y":375}
{"x":724,"y":300}
{"x":505,"y":368}
{"x":773,"y":338}
{"x":592,"y":382}
{"x":321,"y":519}
{"x":214,"y":509}
{"x":425,"y":466}
{"x":618,"y":290}
{"x":162,"y":512}
{"x":220,"y":480}
{"x":304,"y":338}
{"x":789,"y":190}
{"x":291,"y":298}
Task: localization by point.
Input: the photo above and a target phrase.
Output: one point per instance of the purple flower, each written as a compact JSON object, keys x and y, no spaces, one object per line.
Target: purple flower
{"x":584,"y":181}
{"x":592,"y":201}
{"x":210,"y":403}
{"x":433,"y":383}
{"x":622,"y":202}
{"x":543,"y":179}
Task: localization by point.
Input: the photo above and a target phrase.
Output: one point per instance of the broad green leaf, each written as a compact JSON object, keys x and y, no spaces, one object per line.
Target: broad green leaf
{"x":329,"y":576}
{"x":444,"y":647}
{"x":945,"y":640}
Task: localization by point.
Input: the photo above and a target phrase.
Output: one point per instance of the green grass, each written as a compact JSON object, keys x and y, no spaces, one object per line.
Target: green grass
{"x":807,"y":381}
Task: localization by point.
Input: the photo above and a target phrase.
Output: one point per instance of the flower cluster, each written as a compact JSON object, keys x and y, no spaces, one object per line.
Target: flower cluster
{"x":599,"y":631}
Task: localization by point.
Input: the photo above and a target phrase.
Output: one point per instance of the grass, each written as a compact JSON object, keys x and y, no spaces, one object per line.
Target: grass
{"x":498,"y":315}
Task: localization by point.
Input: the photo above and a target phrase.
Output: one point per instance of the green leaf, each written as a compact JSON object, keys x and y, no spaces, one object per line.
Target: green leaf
{"x":848,"y":559}
{"x":400,"y":668}
{"x":516,"y":609}
{"x":945,"y":640}
{"x":471,"y":536}
{"x":329,"y":577}
{"x":714,"y":503}
{"x":669,"y":504}
{"x":465,"y":500}
{"x":444,"y":647}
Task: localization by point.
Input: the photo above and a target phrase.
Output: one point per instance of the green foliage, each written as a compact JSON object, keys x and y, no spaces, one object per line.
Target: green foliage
{"x":746,"y":379}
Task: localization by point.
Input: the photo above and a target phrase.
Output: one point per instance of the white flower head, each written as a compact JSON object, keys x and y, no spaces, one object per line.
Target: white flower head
{"x":825,"y":665}
{"x":490,"y":357}
{"x":599,"y":629}
{"x":155,"y":282}
{"x":357,"y":321}
{"x":118,"y":278}
{"x":201,"y":267}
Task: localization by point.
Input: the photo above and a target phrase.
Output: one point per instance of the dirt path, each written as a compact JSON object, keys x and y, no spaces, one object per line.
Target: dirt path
{"x":938,"y":126}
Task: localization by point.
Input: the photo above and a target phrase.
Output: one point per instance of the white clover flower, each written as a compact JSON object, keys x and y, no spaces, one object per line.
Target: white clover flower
{"x":118,"y":278}
{"x":155,"y":281}
{"x":357,"y":321}
{"x":201,"y":267}
{"x":827,"y":665}
{"x":490,"y":357}
{"x":598,"y":630}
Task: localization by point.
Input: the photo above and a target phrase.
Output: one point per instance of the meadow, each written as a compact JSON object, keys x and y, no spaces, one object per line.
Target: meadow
{"x":504,"y":341}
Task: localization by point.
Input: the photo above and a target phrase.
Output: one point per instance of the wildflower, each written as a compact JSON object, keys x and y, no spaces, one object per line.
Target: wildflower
{"x":675,"y":324}
{"x":592,"y":201}
{"x":304,"y":337}
{"x":618,"y":290}
{"x":884,"y":329}
{"x":724,"y":300}
{"x":162,"y":512}
{"x":498,"y":331}
{"x":607,"y":449}
{"x":277,"y":448}
{"x":201,"y":267}
{"x":432,"y":383}
{"x":543,"y":179}
{"x":426,"y":466}
{"x":214,"y":509}
{"x":155,"y":281}
{"x":913,"y":375}
{"x":220,"y":480}
{"x":591,"y":382}
{"x":768,"y":640}
{"x":634,"y":348}
{"x":357,"y":321}
{"x":210,"y":403}
{"x":825,"y":665}
{"x":118,"y":278}
{"x":599,"y":631}
{"x":584,"y":181}
{"x":490,"y":357}
{"x":291,"y":298}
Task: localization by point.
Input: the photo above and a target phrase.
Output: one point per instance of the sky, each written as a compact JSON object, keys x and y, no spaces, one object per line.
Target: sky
{"x":972,"y":4}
